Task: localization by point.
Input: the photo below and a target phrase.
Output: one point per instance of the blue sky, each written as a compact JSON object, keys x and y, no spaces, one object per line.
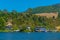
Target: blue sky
{"x":22,"y":5}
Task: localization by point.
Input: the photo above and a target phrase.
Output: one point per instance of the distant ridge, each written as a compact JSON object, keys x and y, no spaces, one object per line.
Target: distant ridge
{"x":46,"y":9}
{"x":57,"y":4}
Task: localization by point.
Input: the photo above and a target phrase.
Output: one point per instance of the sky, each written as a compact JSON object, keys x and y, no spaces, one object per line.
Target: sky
{"x":22,"y":5}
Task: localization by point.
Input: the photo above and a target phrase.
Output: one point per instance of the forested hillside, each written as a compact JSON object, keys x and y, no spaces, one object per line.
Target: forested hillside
{"x":51,"y":8}
{"x":27,"y":18}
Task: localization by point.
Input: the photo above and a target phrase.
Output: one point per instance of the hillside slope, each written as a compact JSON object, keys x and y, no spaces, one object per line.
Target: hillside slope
{"x":46,"y":9}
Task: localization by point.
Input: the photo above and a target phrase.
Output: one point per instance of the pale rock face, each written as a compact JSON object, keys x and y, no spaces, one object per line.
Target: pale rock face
{"x":58,"y":28}
{"x":8,"y":23}
{"x":48,"y":15}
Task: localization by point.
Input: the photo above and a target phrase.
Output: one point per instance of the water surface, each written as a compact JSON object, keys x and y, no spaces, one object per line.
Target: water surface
{"x":30,"y":36}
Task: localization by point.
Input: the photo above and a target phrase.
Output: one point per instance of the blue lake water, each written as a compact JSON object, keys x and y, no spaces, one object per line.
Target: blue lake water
{"x":30,"y":36}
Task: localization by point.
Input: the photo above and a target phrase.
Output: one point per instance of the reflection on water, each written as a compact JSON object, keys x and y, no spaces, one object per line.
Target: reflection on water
{"x":30,"y":36}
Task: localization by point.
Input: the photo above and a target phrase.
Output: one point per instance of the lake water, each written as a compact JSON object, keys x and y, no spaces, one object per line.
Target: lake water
{"x":30,"y":36}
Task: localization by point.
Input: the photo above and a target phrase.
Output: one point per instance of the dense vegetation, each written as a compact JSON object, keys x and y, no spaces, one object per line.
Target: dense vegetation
{"x":25,"y":19}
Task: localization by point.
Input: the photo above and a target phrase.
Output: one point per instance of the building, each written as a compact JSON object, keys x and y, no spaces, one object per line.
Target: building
{"x":40,"y":29}
{"x":28,"y":28}
{"x":16,"y":30}
{"x":48,"y":15}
